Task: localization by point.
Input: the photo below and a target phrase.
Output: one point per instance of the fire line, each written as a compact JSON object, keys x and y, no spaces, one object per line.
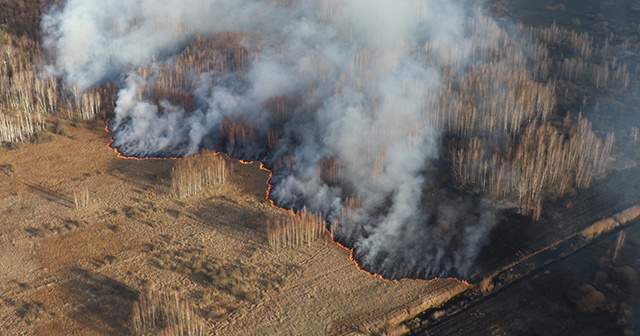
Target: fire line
{"x":272,"y":202}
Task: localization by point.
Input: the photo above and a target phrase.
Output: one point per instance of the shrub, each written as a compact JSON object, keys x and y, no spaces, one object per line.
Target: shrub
{"x":60,"y":127}
{"x":134,"y":213}
{"x":12,"y":145}
{"x":7,"y":169}
{"x":625,"y":275}
{"x":599,"y":227}
{"x":42,"y":137}
{"x":556,"y":8}
{"x":33,"y":311}
{"x":585,"y":289}
{"x":486,"y":285}
{"x":116,"y":228}
{"x":600,"y":278}
{"x":590,"y":302}
{"x":628,"y":214}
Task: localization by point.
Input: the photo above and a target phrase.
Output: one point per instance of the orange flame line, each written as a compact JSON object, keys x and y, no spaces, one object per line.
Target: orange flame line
{"x":272,"y":202}
{"x":351,"y":251}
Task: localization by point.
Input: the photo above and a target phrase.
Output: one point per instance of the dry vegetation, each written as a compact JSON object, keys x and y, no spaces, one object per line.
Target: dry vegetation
{"x":191,"y":175}
{"x":167,"y":314}
{"x":225,"y":284}
{"x":29,"y":96}
{"x":502,"y":138}
{"x":81,"y":198}
{"x":295,"y":230}
{"x":505,"y":140}
{"x":497,"y":112}
{"x":610,"y":223}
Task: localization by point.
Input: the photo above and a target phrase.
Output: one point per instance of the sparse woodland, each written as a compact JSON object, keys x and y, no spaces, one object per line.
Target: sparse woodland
{"x":167,"y":314}
{"x":295,"y":230}
{"x":501,"y":132}
{"x":191,"y":175}
{"x":502,"y":135}
{"x":173,"y":80}
{"x":30,"y":96}
{"x":504,"y":142}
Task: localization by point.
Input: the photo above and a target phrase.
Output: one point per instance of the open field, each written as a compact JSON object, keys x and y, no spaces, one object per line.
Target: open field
{"x":88,"y":264}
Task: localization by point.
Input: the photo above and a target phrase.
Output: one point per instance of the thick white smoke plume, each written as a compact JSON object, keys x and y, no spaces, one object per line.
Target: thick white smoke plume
{"x":354,"y":76}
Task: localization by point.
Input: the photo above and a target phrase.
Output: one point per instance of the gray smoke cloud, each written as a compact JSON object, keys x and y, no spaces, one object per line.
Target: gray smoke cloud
{"x":359,"y":71}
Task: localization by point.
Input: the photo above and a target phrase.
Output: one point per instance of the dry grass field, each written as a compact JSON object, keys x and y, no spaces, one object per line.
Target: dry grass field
{"x":70,"y":269}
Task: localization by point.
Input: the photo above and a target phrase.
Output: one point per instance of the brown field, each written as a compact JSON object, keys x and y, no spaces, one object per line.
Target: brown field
{"x":91,"y":244}
{"x":70,"y":269}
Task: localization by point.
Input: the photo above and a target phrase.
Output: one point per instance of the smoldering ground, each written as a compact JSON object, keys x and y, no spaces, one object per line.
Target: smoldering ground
{"x":338,"y":98}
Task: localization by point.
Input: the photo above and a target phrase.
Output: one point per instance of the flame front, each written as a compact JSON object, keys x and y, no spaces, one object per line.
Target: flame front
{"x":273,"y":203}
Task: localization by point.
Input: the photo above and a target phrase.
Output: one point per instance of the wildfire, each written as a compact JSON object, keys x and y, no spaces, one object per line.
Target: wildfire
{"x":120,"y":155}
{"x":272,"y":202}
{"x":351,"y":251}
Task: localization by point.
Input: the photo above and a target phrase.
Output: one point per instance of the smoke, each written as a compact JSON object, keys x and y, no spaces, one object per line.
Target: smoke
{"x":350,"y":81}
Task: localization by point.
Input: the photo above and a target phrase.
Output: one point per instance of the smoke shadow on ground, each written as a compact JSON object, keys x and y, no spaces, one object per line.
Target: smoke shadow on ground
{"x":103,"y":304}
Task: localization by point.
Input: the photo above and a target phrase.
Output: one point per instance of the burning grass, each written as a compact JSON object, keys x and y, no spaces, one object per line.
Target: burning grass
{"x":494,"y":114}
{"x":495,"y":111}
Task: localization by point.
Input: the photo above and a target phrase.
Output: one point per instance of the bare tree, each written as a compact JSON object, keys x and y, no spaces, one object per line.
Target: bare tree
{"x":191,"y":175}
{"x":166,"y":313}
